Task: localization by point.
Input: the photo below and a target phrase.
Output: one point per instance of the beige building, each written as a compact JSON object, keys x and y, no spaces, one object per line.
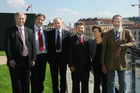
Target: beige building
{"x":50,"y":26}
{"x":105,"y":23}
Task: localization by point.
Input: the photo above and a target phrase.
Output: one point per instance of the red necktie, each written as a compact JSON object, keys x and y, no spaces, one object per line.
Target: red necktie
{"x":81,"y":41}
{"x":58,"y":41}
{"x":41,"y":47}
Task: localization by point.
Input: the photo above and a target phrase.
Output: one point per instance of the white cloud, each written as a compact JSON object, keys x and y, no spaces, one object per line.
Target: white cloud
{"x":15,"y":3}
{"x":104,"y":13}
{"x":69,"y":11}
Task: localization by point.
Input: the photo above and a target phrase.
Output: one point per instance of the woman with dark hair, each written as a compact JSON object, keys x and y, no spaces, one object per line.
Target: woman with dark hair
{"x":95,"y":47}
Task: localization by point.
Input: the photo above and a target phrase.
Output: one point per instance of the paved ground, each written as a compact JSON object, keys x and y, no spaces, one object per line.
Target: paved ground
{"x":69,"y":82}
{"x":3,"y":60}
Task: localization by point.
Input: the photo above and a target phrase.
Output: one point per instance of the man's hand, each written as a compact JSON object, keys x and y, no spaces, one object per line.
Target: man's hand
{"x":12,"y":64}
{"x":118,"y":50}
{"x":33,"y":63}
{"x":72,"y":69}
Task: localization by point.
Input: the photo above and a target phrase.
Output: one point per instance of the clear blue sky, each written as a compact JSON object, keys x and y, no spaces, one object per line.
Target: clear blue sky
{"x":72,"y":10}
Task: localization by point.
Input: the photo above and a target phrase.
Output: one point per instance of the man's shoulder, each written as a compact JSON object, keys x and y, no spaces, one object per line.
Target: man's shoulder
{"x":91,"y":40}
{"x":11,"y":29}
{"x":28,"y":29}
{"x":107,"y":33}
{"x":126,"y":30}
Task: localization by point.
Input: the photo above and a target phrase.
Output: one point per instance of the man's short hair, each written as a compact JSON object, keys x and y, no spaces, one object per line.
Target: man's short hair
{"x":116,"y":16}
{"x":79,"y":23}
{"x":57,"y":18}
{"x":38,"y":15}
{"x":20,"y":13}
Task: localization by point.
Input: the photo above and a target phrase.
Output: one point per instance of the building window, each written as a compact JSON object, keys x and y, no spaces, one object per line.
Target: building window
{"x":135,"y":37}
{"x":139,"y":38}
{"x":135,"y":33}
{"x":139,"y":46}
{"x":139,"y":32}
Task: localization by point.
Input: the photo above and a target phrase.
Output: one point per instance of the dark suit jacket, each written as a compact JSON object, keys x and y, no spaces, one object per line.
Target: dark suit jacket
{"x":52,"y":46}
{"x":14,"y":45}
{"x":79,"y":54}
{"x":92,"y":48}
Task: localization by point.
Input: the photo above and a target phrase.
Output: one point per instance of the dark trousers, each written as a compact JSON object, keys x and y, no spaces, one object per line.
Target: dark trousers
{"x":38,"y":73}
{"x":76,"y":79}
{"x":20,"y":76}
{"x":58,"y":68}
{"x":99,"y":79}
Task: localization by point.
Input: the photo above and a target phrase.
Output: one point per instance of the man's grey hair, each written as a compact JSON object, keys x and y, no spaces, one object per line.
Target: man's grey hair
{"x":20,"y":13}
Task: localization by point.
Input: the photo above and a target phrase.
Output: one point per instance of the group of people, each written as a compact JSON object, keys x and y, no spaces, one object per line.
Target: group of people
{"x":28,"y":49}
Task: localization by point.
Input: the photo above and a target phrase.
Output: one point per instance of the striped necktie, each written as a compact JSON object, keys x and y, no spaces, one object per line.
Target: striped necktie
{"x":117,"y":36}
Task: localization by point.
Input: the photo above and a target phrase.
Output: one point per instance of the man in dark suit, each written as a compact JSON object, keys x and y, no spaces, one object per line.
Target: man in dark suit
{"x":57,"y":50}
{"x":20,"y":51}
{"x":38,"y":71}
{"x":79,"y":59}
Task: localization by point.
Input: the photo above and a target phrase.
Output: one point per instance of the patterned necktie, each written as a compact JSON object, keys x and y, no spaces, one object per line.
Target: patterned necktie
{"x":81,"y":41}
{"x":58,"y":41}
{"x":41,"y":47}
{"x":25,"y":50}
{"x":117,"y":36}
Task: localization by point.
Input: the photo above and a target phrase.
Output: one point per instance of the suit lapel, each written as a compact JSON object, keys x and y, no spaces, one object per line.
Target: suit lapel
{"x":26,"y":34}
{"x":17,"y":33}
{"x":112,"y":35}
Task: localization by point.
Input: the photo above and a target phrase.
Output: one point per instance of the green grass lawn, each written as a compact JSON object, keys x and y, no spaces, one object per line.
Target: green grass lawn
{"x":5,"y":81}
{"x":2,"y":53}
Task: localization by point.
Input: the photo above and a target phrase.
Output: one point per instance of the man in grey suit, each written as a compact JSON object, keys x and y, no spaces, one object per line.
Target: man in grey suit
{"x":114,"y":46}
{"x":20,"y":52}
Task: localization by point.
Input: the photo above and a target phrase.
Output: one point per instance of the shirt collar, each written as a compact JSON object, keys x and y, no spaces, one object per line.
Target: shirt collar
{"x":119,"y":30}
{"x":20,"y":27}
{"x":59,"y":30}
{"x":79,"y":35}
{"x":36,"y":27}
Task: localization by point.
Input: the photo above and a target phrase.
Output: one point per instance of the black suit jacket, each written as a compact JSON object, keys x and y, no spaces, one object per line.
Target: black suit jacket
{"x":52,"y":46}
{"x":79,"y":54}
{"x":14,"y":45}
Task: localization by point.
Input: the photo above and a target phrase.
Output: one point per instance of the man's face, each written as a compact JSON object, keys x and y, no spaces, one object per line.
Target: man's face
{"x":80,"y":29}
{"x":20,"y":20}
{"x":39,"y":21}
{"x":57,"y":24}
{"x":117,"y":22}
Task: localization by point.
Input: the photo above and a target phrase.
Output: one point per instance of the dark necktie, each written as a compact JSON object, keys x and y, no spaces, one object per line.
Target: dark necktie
{"x":25,"y":50}
{"x":58,"y":41}
{"x":117,"y":36}
{"x":81,"y":41}
{"x":41,"y":47}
